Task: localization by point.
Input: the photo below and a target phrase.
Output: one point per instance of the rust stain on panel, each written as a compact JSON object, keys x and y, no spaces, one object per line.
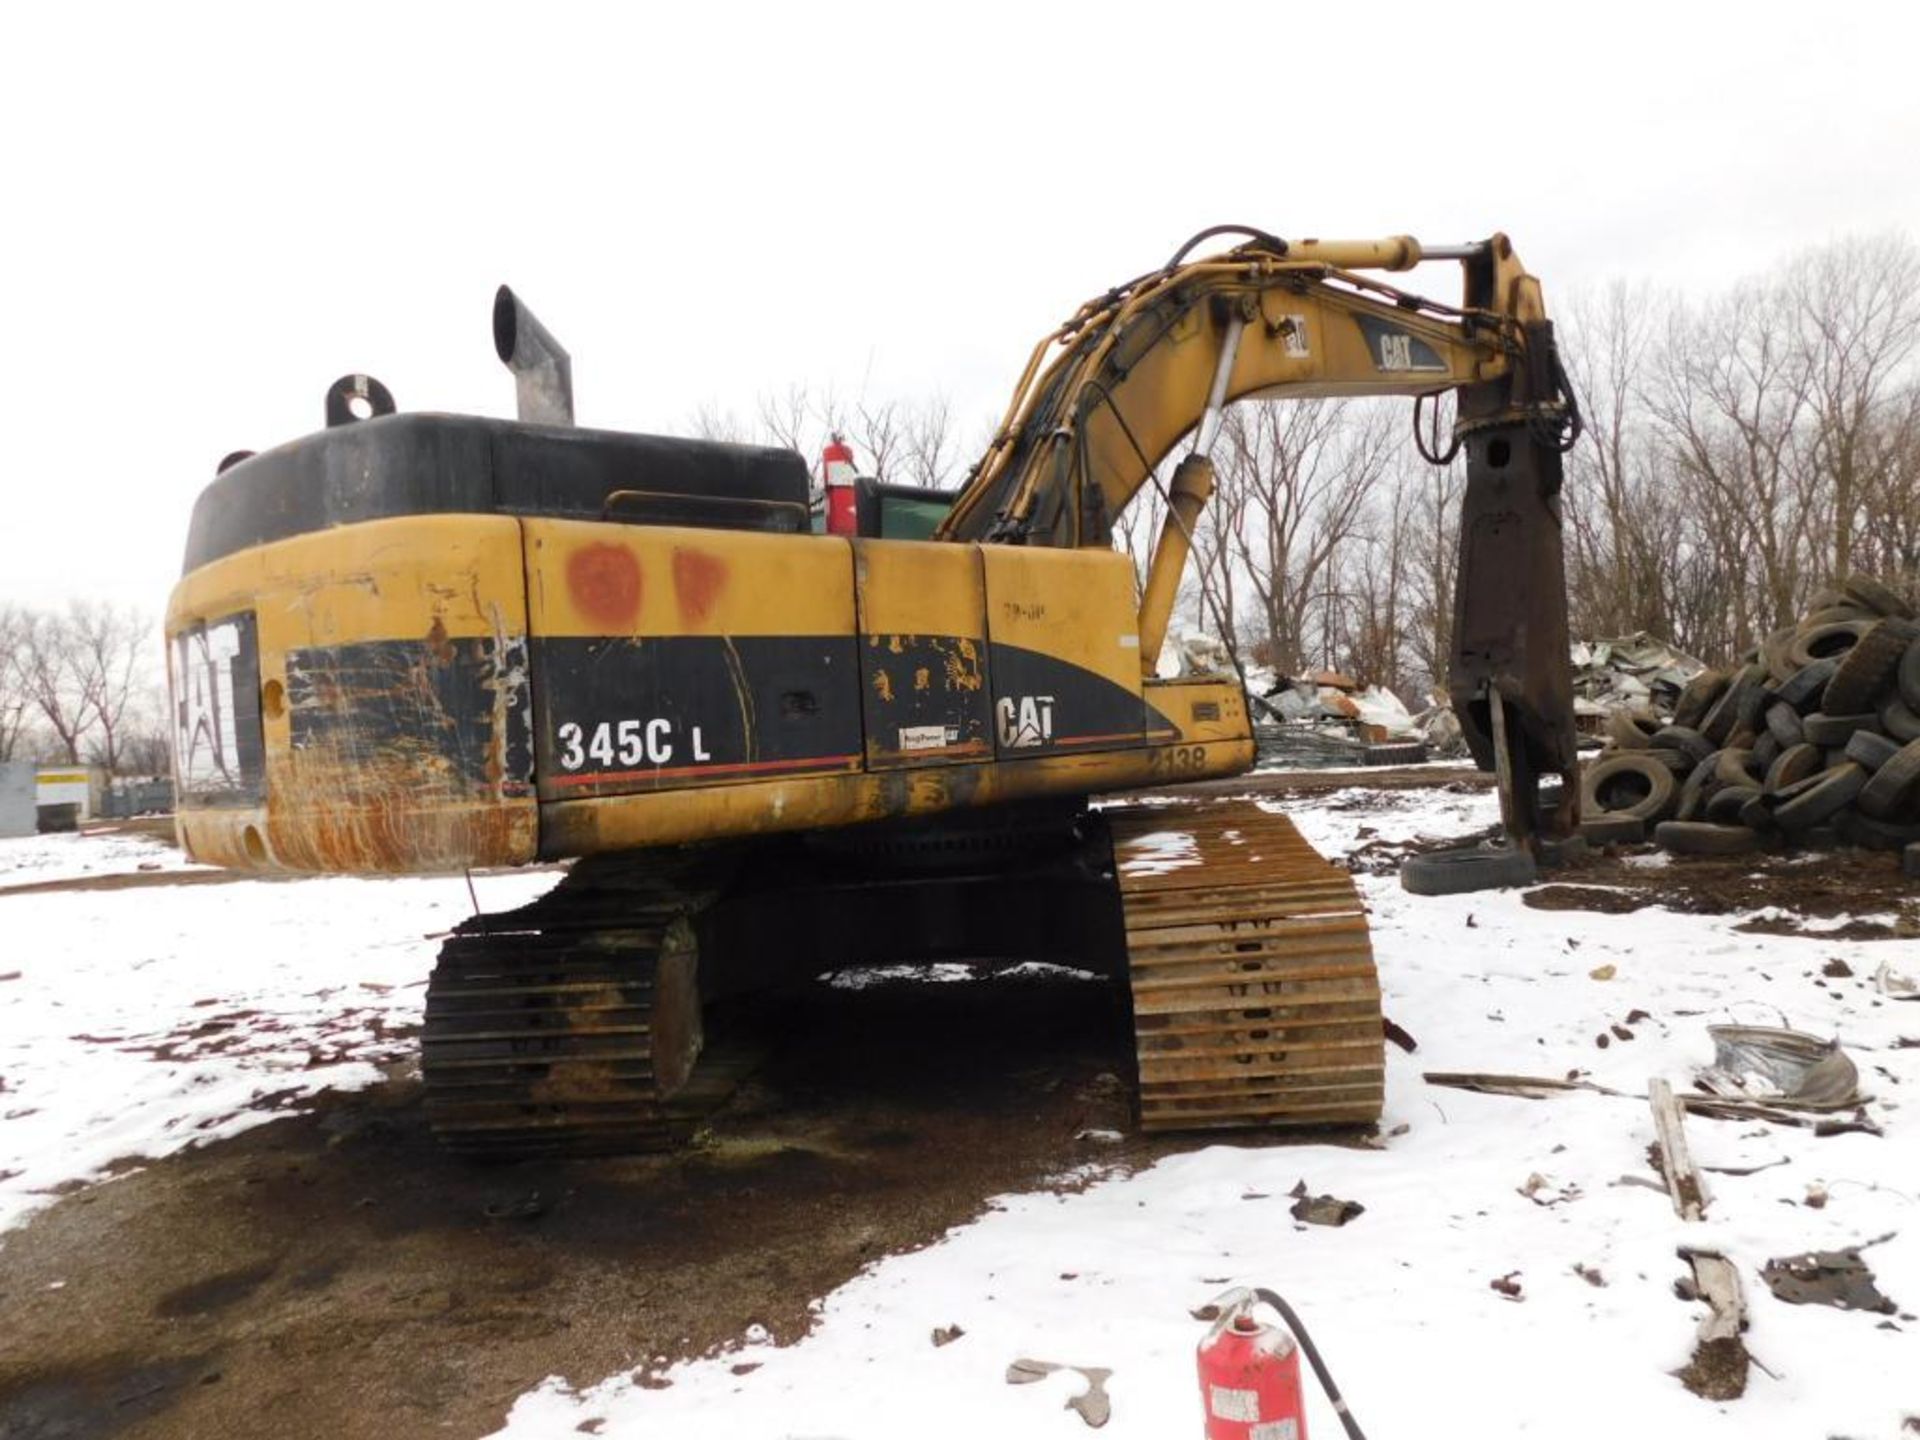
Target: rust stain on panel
{"x":604,"y":581}
{"x":698,"y":579}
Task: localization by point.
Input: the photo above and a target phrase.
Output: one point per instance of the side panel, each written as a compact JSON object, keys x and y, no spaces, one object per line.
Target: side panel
{"x":387,"y":688}
{"x":1064,"y":650}
{"x":923,"y":653}
{"x":665,"y":658}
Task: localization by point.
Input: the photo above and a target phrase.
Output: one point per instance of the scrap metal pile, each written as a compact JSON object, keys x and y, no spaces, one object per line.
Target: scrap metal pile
{"x":1814,"y":739}
{"x":1636,"y":672}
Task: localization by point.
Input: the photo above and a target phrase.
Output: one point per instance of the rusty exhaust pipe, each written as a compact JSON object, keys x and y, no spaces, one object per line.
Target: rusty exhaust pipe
{"x":542,"y":371}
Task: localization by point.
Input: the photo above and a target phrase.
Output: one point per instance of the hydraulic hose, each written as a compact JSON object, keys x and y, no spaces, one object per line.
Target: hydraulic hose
{"x":1299,"y":1330}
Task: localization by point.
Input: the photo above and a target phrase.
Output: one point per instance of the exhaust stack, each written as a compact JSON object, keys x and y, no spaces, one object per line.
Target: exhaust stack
{"x":542,"y":371}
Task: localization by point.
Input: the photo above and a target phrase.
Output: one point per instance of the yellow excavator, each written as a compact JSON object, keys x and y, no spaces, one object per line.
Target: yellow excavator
{"x":420,"y":642}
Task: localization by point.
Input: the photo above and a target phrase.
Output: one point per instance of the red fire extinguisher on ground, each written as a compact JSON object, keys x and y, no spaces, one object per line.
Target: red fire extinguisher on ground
{"x":836,"y":477}
{"x":1250,"y":1372}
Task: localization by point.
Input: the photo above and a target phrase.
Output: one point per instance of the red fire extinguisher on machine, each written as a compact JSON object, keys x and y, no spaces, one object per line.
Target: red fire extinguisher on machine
{"x":1250,"y":1372}
{"x":836,"y":479}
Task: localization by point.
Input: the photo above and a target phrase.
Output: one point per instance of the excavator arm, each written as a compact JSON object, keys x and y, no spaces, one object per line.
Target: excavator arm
{"x":1107,"y":397}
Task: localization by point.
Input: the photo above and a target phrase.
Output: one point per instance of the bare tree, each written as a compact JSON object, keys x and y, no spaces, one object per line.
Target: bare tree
{"x":54,"y":681}
{"x":1857,"y":304}
{"x":111,"y":649}
{"x":1735,"y":396}
{"x":1377,"y":608}
{"x":930,"y":454}
{"x":1308,"y":467}
{"x":16,"y":700}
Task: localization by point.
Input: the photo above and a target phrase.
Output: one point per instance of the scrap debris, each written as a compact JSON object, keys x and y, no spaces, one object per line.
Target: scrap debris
{"x":1839,"y":1278}
{"x":1323,"y":1209}
{"x":1685,"y":1183}
{"x":1718,"y":1369}
{"x":1781,"y":1067}
{"x":1092,"y":1405}
{"x":1896,"y":984}
{"x":1759,"y":1072}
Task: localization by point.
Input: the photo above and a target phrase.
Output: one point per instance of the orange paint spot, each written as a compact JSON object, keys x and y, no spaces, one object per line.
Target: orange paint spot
{"x":698,"y":579}
{"x":604,"y":581}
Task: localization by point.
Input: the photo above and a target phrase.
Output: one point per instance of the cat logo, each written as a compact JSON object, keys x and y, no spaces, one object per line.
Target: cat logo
{"x":1025,"y":722}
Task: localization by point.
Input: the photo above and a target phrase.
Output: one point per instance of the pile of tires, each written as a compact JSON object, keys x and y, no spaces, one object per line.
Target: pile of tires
{"x":1813,"y":739}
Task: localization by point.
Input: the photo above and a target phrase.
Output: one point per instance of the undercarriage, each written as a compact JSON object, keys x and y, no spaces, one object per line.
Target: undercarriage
{"x":579,"y":1024}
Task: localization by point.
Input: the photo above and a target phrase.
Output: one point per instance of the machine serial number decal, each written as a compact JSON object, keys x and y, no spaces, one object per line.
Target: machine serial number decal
{"x":1177,"y":760}
{"x":626,"y":743}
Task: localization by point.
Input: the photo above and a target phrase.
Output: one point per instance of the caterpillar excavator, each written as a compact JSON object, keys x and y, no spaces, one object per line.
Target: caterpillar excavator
{"x":421,"y":642}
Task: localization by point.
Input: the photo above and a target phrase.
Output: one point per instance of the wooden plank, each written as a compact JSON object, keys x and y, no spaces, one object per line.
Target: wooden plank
{"x":1685,"y":1183}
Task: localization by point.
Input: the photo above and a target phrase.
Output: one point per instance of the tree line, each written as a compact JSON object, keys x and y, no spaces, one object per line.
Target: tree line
{"x":79,"y":685}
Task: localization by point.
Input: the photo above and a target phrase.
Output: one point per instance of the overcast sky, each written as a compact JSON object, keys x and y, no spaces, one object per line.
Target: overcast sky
{"x":207,"y":215}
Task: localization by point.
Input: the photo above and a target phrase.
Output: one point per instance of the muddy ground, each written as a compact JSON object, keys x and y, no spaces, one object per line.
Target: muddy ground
{"x":332,"y":1273}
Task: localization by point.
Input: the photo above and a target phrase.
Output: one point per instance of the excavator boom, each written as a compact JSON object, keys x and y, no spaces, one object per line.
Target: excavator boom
{"x":1107,"y":397}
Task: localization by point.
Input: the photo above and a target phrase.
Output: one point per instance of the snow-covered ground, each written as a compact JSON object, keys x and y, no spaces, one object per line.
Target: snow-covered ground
{"x":31,"y":859}
{"x":1401,"y":1300}
{"x":135,"y":1022}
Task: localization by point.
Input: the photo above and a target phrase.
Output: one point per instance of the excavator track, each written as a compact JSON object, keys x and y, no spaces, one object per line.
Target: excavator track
{"x":1255,"y":998}
{"x":571,"y":1026}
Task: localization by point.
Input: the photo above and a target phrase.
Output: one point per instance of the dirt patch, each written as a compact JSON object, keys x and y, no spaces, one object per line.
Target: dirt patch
{"x":1800,"y":894}
{"x":334,"y":1273}
{"x":1601,"y":898}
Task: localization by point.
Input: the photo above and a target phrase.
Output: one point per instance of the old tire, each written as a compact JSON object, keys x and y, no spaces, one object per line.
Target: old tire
{"x":1683,"y":737}
{"x":1797,"y":763}
{"x":1908,"y":676}
{"x":1814,"y":801}
{"x":1726,"y":803}
{"x":1804,"y":688}
{"x":1687,"y":838}
{"x":1697,"y":697}
{"x":1872,"y":834}
{"x":1879,"y":598}
{"x":1773,"y":653}
{"x":1826,"y":642}
{"x":1870,"y":751}
{"x":1629,"y":783}
{"x":1739,"y":708}
{"x":1783,"y":724}
{"x":1868,"y":668}
{"x":1460,"y":872}
{"x":1613,"y":829}
{"x":1694,"y":793}
{"x":1736,"y":767}
{"x":1889,"y":794}
{"x":1678,"y":761}
{"x":1833,"y":731}
{"x":1900,"y":720}
{"x":1629,"y":730}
